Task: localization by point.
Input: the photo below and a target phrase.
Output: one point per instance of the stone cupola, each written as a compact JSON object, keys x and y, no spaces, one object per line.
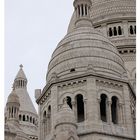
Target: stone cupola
{"x":20,"y":80}
{"x":82,"y":8}
{"x":12,"y":107}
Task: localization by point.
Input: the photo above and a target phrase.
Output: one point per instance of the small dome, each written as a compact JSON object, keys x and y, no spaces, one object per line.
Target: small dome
{"x":13,"y":98}
{"x":84,"y":47}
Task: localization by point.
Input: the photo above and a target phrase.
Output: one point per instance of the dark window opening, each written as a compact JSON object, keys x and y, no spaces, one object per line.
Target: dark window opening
{"x":79,"y":10}
{"x":82,"y":9}
{"x":135,"y":29}
{"x":103,"y":107}
{"x":44,"y":114}
{"x":23,"y":117}
{"x":131,"y":30}
{"x":110,"y":32}
{"x":114,"y":110}
{"x":69,"y":102}
{"x":80,"y":108}
{"x":119,"y":30}
{"x":20,"y":117}
{"x":125,"y":51}
{"x":86,"y":9}
{"x":115,"y":31}
{"x":49,"y":111}
{"x":72,"y":70}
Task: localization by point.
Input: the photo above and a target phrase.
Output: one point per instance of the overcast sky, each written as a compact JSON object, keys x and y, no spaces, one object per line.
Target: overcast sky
{"x":33,"y":29}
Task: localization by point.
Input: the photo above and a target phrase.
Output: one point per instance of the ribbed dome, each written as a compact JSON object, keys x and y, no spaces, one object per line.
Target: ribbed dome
{"x":108,"y":10}
{"x":82,"y":48}
{"x":13,"y":98}
{"x":112,"y":9}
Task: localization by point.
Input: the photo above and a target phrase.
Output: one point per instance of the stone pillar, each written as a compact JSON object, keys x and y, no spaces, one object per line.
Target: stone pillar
{"x":92,"y":102}
{"x":85,"y":109}
{"x":74,"y":108}
{"x":120,"y":114}
{"x":125,"y":28}
{"x":128,"y":118}
{"x":39,"y":122}
{"x":80,"y":11}
{"x":84,"y":10}
{"x":104,"y":29}
{"x":99,"y":113}
{"x":109,"y":115}
{"x":54,"y":105}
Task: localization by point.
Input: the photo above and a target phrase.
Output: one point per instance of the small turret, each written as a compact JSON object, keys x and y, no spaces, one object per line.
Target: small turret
{"x":66,"y":123}
{"x":12,"y":107}
{"x":20,"y":80}
{"x":82,"y":8}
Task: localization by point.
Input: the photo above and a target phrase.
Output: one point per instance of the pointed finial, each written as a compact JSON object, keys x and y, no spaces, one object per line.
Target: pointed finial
{"x":21,"y":66}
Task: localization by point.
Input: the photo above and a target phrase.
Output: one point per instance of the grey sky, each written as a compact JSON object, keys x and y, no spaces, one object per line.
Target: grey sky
{"x":33,"y":29}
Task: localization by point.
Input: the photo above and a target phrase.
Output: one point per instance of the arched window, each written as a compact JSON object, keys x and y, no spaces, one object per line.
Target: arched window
{"x":23,"y":117}
{"x":49,"y":109}
{"x":115,"y":31}
{"x":131,"y":30}
{"x":110,"y":32}
{"x":80,"y":108}
{"x":103,"y":108}
{"x":20,"y":117}
{"x":44,"y":114}
{"x":69,"y":102}
{"x":114,"y":110}
{"x":119,"y":30}
{"x":30,"y":119}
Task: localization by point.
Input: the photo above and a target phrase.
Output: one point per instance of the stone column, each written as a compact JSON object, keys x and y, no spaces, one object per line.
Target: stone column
{"x":128,"y":118}
{"x":109,"y":115}
{"x":99,"y":112}
{"x":74,"y":108}
{"x":92,"y":103}
{"x":80,"y":10}
{"x":84,"y":10}
{"x":125,"y":28}
{"x":85,"y":109}
{"x":120,"y":113}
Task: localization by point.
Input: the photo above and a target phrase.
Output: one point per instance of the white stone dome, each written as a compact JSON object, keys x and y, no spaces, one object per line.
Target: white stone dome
{"x":83,"y":48}
{"x":13,"y":98}
{"x":108,"y":11}
{"x":112,"y":9}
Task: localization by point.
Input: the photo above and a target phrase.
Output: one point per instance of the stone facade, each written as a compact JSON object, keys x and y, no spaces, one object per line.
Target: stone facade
{"x":90,"y":68}
{"x":90,"y":82}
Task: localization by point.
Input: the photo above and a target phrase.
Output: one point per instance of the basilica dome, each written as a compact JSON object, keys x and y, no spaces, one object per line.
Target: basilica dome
{"x":112,"y":9}
{"x":84,"y":49}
